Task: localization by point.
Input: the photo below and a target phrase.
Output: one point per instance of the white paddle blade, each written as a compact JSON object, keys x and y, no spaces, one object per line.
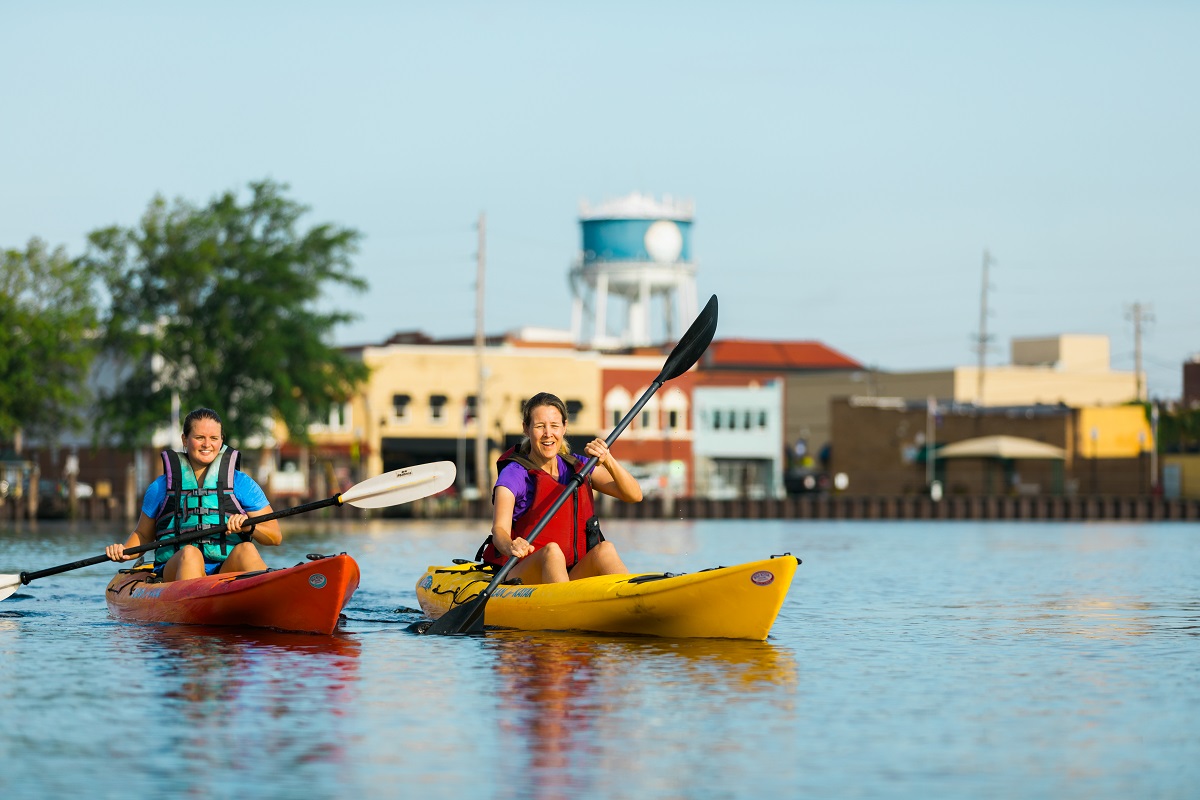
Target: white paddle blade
{"x":8,"y":585}
{"x":401,"y":485}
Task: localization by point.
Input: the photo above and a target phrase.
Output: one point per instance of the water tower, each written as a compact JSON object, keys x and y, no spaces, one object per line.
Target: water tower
{"x":636,"y":257}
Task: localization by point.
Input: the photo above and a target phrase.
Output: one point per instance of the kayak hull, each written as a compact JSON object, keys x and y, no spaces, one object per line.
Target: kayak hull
{"x":738,"y":602}
{"x":306,"y":598}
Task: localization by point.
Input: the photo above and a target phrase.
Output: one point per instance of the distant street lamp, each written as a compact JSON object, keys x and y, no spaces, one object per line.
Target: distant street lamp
{"x":1095,"y":458}
{"x":1154,"y":448}
{"x":1141,"y":458}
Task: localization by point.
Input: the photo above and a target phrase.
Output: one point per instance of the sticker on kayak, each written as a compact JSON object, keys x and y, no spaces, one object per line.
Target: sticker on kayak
{"x":762,"y":578}
{"x":317,"y":580}
{"x":427,"y":582}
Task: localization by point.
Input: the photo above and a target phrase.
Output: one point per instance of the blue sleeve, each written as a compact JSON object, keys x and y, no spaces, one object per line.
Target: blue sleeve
{"x":248,"y":493}
{"x":155,"y":497}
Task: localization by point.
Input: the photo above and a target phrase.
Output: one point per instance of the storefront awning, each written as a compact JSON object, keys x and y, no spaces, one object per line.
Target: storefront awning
{"x":1011,"y":447}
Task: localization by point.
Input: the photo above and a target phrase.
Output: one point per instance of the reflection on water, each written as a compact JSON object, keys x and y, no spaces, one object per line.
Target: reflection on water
{"x":982,"y":660}
{"x":228,"y":684}
{"x":562,"y":697}
{"x":1115,"y":619}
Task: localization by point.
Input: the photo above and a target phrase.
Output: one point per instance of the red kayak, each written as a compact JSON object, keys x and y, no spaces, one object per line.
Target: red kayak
{"x":307,"y":598}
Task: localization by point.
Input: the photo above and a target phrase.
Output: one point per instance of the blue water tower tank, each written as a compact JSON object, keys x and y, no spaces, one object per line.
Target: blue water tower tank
{"x":636,"y":253}
{"x":654,"y":240}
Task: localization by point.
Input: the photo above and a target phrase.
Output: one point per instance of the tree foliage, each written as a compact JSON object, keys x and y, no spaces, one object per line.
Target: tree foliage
{"x":48,"y":320}
{"x":1179,"y":430}
{"x":219,"y":304}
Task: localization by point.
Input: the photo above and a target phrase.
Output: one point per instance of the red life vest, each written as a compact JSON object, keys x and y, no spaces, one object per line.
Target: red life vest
{"x":569,"y":527}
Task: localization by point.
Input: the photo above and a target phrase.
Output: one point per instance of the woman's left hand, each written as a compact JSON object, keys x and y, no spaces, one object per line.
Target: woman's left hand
{"x":599,"y":449}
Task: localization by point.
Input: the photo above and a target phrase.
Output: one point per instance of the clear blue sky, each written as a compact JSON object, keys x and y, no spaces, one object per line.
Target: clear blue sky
{"x":849,"y":162}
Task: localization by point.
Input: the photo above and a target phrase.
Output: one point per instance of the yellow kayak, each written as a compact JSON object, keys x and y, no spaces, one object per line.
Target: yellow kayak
{"x":739,"y":602}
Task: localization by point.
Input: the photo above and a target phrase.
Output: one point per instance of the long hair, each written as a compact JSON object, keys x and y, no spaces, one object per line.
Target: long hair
{"x":538,"y":400}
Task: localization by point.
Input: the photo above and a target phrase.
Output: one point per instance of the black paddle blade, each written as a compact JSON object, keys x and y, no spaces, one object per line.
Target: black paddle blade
{"x":693,"y":343}
{"x":464,"y":620}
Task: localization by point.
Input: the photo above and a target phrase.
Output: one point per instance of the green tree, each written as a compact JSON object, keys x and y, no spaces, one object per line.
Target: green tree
{"x":1179,"y":430}
{"x":48,"y":318}
{"x":219,"y":304}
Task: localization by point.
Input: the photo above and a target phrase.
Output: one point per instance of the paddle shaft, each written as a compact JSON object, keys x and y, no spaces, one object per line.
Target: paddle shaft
{"x":572,"y":486}
{"x":26,"y":577}
{"x":468,"y":617}
{"x":471,"y":618}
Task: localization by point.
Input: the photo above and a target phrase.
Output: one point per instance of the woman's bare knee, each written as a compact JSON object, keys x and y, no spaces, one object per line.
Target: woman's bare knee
{"x":549,"y":563}
{"x":188,"y":562}
{"x":243,"y":558}
{"x":603,"y":559}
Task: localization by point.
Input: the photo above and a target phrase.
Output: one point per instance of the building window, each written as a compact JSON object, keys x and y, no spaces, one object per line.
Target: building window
{"x":400,"y":407}
{"x":616,"y":402}
{"x":573,"y":409}
{"x":437,"y":408}
{"x":746,"y":420}
{"x":339,"y":420}
{"x":675,"y":405}
{"x":470,"y":409}
{"x":716,"y":420}
{"x":762,"y":420}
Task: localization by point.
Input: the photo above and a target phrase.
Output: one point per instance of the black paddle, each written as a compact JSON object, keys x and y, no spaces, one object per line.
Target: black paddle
{"x":389,"y":489}
{"x":468,"y":617}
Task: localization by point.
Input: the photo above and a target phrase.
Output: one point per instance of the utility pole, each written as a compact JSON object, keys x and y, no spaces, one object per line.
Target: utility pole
{"x":483,"y":474}
{"x":1140,"y":315}
{"x":982,"y":340}
{"x":930,"y":433}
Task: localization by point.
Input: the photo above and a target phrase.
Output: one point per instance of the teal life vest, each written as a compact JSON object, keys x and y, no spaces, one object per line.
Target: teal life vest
{"x":190,"y":507}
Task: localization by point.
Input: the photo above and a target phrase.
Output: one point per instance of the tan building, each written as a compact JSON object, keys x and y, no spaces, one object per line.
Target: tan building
{"x":1181,"y":476}
{"x":882,"y":445}
{"x":420,"y":404}
{"x":1071,"y":370}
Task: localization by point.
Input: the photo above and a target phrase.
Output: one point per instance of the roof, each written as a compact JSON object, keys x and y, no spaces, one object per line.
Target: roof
{"x":638,"y":206}
{"x":1000,"y":447}
{"x":778,"y":355}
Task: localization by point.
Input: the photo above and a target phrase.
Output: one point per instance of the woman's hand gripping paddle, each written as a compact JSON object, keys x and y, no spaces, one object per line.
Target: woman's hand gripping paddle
{"x":467,"y":618}
{"x":390,"y":489}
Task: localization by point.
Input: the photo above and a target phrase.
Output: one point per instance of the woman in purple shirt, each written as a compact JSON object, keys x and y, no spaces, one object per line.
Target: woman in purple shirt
{"x":544,"y":423}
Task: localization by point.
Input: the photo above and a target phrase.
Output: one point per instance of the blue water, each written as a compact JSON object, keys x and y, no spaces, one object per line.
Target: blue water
{"x":911,"y":659}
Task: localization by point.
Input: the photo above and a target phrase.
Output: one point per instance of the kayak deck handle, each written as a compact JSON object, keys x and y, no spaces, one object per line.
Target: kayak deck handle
{"x":648,"y":578}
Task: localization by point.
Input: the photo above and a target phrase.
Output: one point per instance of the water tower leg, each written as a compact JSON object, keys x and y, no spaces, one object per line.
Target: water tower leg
{"x":668,"y":298}
{"x":600,"y":325}
{"x":642,"y":335}
{"x":577,"y":319}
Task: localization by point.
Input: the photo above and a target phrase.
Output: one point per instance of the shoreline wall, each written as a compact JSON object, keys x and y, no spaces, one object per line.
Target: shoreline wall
{"x":859,"y":507}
